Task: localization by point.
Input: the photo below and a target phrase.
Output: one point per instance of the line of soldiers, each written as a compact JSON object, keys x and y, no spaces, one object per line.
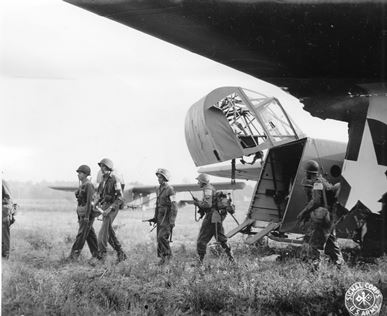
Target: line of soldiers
{"x":320,"y":215}
{"x":166,"y":212}
{"x":108,"y":199}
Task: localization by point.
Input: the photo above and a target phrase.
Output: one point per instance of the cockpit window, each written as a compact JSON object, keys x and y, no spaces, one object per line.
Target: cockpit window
{"x":258,"y":121}
{"x":242,"y":121}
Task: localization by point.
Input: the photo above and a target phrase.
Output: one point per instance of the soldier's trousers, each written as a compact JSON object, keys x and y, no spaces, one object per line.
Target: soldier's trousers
{"x":107,"y":234}
{"x":163,"y":235}
{"x":87,"y":234}
{"x":323,"y":238}
{"x":209,"y":230}
{"x":5,"y":239}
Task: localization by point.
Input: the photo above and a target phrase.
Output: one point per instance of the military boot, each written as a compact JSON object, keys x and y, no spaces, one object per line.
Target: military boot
{"x":227,"y":250}
{"x":97,"y":259}
{"x":161,"y":261}
{"x":315,"y":265}
{"x":164,"y":260}
{"x":74,"y":255}
{"x":230,"y":256}
{"x":121,"y":256}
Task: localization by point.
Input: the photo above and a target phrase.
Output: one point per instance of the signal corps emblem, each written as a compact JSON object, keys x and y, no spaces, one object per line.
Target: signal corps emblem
{"x":363,"y":299}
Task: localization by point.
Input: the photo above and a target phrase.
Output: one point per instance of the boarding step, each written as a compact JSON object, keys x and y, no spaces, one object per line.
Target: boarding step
{"x":254,"y":238}
{"x":247,"y":222}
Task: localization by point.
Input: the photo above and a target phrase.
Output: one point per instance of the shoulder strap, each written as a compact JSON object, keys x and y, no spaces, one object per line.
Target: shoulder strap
{"x":104,"y":184}
{"x":325,"y":197}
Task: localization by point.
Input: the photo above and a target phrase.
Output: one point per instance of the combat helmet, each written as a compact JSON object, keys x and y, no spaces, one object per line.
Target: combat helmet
{"x":312,"y":166}
{"x":84,"y":169}
{"x":203,"y":178}
{"x":107,"y":162}
{"x":164,"y":172}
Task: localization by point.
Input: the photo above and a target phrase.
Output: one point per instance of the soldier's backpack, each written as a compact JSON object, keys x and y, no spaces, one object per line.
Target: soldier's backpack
{"x":321,"y":214}
{"x":223,"y":203}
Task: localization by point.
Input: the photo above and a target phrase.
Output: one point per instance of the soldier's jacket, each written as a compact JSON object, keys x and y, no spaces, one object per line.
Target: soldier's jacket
{"x":110,"y":192}
{"x":166,"y":209}
{"x":7,"y":210}
{"x":84,"y":196}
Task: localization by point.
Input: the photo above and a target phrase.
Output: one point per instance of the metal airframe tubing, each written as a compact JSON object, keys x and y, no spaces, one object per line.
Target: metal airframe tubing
{"x":247,"y":102}
{"x":287,"y":117}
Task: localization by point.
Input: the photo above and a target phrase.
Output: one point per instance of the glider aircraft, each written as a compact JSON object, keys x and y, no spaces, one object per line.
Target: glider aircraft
{"x":232,"y":122}
{"x":329,"y":54}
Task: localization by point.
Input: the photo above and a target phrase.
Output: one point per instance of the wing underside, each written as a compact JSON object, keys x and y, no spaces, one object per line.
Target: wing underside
{"x":311,"y":47}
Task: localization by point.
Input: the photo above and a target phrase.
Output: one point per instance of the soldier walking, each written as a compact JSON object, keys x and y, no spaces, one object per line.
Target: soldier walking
{"x":110,"y":200}
{"x":86,"y":232}
{"x":212,"y":225}
{"x":165,"y":215}
{"x":321,"y":214}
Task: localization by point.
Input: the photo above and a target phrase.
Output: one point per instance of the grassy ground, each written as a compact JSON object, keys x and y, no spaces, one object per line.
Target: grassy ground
{"x":36,"y":280}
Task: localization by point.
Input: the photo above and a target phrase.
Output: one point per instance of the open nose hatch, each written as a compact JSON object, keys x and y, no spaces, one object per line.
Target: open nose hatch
{"x":273,"y":197}
{"x":232,"y":122}
{"x":280,"y":193}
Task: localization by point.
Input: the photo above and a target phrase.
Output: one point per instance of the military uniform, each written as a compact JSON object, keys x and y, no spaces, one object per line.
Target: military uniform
{"x":165,"y":216}
{"x":322,"y":235}
{"x":212,"y":225}
{"x":8,"y":212}
{"x":86,"y":231}
{"x":6,"y":223}
{"x":110,"y":196}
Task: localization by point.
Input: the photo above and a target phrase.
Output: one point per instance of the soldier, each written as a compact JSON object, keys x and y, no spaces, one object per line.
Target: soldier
{"x":212,"y":222}
{"x":86,"y":232}
{"x":165,"y":215}
{"x":320,"y":212}
{"x":8,"y":212}
{"x":110,"y":200}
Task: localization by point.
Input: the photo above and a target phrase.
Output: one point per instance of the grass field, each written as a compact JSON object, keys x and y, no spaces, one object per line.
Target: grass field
{"x":36,"y":280}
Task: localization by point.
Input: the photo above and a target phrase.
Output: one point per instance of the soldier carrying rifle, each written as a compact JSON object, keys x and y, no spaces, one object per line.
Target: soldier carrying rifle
{"x":165,"y":215}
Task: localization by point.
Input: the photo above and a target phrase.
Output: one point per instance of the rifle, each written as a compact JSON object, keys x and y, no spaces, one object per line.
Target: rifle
{"x":197,"y":208}
{"x":150,"y":221}
{"x":98,"y":211}
{"x":233,"y":208}
{"x":194,"y":198}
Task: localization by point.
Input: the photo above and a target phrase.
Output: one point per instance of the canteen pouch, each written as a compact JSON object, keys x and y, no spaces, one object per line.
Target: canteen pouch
{"x":320,"y":215}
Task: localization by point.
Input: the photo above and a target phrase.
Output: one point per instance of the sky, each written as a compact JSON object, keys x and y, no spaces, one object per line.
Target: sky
{"x":76,"y":87}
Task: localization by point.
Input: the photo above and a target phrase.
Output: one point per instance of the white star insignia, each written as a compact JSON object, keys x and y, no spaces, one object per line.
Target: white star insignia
{"x":365,"y":176}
